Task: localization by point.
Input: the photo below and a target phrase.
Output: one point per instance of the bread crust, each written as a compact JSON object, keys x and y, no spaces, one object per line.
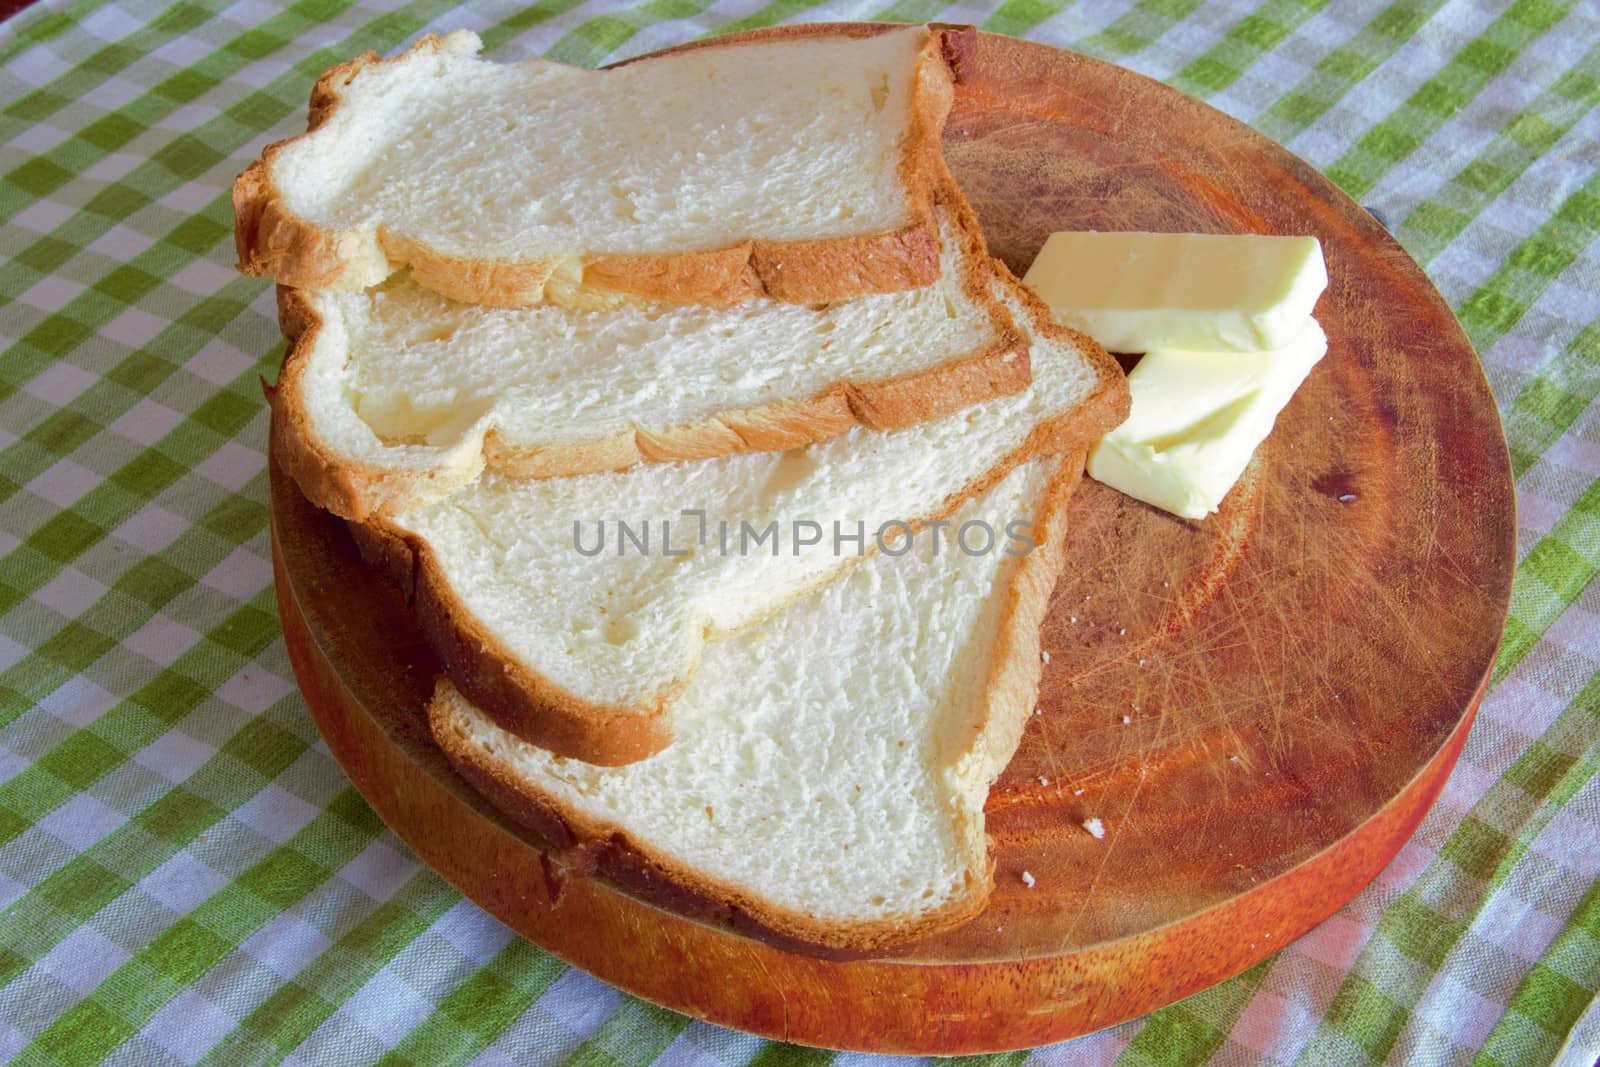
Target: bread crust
{"x":273,"y":241}
{"x":361,"y":491}
{"x":1010,"y":691}
{"x":529,"y":705}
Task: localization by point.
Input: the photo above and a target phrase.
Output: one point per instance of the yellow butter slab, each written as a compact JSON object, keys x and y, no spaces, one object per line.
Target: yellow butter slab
{"x":1197,"y":418}
{"x":1134,"y":292}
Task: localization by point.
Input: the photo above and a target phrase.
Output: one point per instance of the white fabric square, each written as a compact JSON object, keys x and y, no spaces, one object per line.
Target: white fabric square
{"x":1335,"y":942}
{"x":133,"y":328}
{"x":475,"y":933}
{"x":146,"y":422}
{"x":286,"y":944}
{"x":80,"y":821}
{"x":70,"y":593}
{"x":202,"y":277}
{"x":1457,"y":1011}
{"x":1266,"y":1018}
{"x":161,"y":640}
{"x":232,"y":465}
{"x":112,"y":94}
{"x":52,"y":293}
{"x":78,"y":702}
{"x":112,"y":167}
{"x":60,"y":382}
{"x":386,"y":1007}
{"x":241,"y":575}
{"x":1576,"y":454}
{"x":11,"y":652}
{"x":275,"y":813}
{"x":190,"y":194}
{"x":182,"y":51}
{"x":579,"y":1002}
{"x":188,"y":1026}
{"x":42,"y":216}
{"x":151,"y":528}
{"x":12,"y":1041}
{"x":174,"y":755}
{"x":11,"y":764}
{"x":181,"y":883}
{"x":120,"y":243}
{"x":37,"y":66}
{"x":64,"y":483}
{"x":379,"y":871}
{"x":219,"y":363}
{"x":254,"y":689}
{"x":1407,"y":865}
{"x":82,"y":959}
{"x":110,"y":23}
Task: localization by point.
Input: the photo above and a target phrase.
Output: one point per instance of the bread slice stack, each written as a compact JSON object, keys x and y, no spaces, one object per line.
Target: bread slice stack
{"x":728,"y":289}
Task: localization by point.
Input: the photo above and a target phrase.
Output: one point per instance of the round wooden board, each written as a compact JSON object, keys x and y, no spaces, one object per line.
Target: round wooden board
{"x":1259,"y":708}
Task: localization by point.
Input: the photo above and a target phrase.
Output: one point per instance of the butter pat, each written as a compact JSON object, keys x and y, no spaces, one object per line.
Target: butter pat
{"x":1197,"y":418}
{"x":1135,"y":292}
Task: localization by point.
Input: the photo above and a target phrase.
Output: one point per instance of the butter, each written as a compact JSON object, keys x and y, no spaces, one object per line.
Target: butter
{"x":1134,"y":292}
{"x":1197,"y":418}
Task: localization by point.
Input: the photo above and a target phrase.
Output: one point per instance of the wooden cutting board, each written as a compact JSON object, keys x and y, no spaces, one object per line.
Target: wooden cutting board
{"x":1259,"y":708}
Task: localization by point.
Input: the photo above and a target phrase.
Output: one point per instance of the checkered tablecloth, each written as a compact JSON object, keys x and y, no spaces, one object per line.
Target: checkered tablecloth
{"x":185,"y":873}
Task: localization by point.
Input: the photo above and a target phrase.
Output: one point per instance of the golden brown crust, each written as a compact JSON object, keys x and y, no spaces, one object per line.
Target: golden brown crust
{"x":593,"y":844}
{"x":387,"y":553}
{"x":272,"y":241}
{"x":328,"y":479}
{"x":1016,"y":667}
{"x":1107,"y":406}
{"x":506,"y":688}
{"x":360,"y":491}
{"x":276,"y":243}
{"x":519,"y":699}
{"x":599,"y":846}
{"x":493,"y":282}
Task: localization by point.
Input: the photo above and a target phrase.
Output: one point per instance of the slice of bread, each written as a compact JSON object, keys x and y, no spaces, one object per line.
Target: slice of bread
{"x":830,"y":769}
{"x":585,"y":656}
{"x":800,"y":167}
{"x":395,"y":396}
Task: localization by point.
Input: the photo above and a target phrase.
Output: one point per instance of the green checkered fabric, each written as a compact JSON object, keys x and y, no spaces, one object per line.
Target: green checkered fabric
{"x":186,"y":875}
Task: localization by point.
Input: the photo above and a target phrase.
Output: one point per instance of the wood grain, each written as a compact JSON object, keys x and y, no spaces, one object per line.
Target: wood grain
{"x":1297,"y":674}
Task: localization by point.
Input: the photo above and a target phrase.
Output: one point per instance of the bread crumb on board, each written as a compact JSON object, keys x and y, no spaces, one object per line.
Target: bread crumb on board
{"x":1096,"y":828}
{"x":1028,"y":879}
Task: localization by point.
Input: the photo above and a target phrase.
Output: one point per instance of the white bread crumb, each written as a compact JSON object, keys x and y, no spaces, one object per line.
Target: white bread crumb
{"x":1096,"y":828}
{"x":1027,"y":879}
